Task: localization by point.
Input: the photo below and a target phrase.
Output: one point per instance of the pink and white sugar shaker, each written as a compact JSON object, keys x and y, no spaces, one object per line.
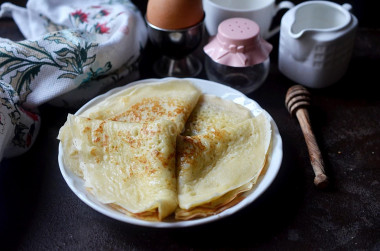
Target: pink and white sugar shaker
{"x":237,"y":56}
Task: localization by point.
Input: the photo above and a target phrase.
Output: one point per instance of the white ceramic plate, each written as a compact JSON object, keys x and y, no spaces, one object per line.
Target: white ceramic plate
{"x":208,"y":87}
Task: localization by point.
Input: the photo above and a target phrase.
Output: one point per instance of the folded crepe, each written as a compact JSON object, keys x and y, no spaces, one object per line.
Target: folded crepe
{"x":215,"y":168}
{"x":130,"y":166}
{"x":218,"y":148}
{"x":214,"y":113}
{"x":171,"y":100}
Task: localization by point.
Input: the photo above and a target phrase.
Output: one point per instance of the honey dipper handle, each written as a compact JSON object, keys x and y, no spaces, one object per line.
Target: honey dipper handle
{"x":316,"y":160}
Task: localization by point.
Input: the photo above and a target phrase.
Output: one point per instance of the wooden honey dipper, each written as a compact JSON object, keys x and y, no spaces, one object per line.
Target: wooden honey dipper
{"x":296,"y":101}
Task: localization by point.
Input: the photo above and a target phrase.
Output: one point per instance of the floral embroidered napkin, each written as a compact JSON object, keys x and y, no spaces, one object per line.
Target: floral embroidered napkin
{"x":73,"y":50}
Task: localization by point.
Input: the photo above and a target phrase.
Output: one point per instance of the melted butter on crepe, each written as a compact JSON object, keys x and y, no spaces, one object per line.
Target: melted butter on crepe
{"x":213,"y":164}
{"x":128,"y":165}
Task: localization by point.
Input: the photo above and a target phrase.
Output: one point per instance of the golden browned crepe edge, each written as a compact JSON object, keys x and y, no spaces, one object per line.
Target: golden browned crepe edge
{"x":233,"y":197}
{"x":157,"y":212}
{"x":223,"y":203}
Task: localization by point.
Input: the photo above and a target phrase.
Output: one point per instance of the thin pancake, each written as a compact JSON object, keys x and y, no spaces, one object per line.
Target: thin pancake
{"x":70,"y":155}
{"x":214,"y":113}
{"x":130,"y":166}
{"x":172,"y":100}
{"x":213,"y":164}
{"x":214,"y":207}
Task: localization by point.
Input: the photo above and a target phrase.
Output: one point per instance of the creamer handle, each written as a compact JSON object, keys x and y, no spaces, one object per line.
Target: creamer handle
{"x":279,"y":6}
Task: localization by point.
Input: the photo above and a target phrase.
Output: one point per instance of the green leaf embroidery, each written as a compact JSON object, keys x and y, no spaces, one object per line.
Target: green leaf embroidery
{"x":22,"y":132}
{"x":29,"y":57}
{"x":62,"y":52}
{"x":94,"y":74}
{"x":89,"y":61}
{"x":21,"y":81}
{"x":38,"y":51}
{"x":68,"y":75}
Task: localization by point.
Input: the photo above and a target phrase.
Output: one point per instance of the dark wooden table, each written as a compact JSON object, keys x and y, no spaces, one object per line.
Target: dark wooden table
{"x":38,"y":211}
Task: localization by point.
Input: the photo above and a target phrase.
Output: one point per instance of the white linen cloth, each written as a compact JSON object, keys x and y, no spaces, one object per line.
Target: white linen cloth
{"x":73,"y":49}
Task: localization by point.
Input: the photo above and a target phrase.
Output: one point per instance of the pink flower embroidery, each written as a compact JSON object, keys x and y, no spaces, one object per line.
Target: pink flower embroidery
{"x":80,"y":15}
{"x":101,"y":28}
{"x":31,"y":115}
{"x":101,"y":13}
{"x":104,"y":12}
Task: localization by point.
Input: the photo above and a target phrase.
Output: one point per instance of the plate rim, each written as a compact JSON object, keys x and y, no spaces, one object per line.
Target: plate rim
{"x":273,"y":162}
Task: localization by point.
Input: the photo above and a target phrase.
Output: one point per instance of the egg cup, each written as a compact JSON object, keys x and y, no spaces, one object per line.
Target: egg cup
{"x":176,"y":47}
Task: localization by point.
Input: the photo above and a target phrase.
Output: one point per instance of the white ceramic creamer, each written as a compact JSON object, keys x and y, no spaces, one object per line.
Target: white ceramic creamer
{"x":316,"y":42}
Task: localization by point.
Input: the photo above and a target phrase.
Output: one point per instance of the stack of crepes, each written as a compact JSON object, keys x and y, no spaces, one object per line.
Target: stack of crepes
{"x":160,"y":149}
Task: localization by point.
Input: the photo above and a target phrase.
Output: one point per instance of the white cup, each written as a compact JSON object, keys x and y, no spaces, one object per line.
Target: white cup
{"x":260,"y":11}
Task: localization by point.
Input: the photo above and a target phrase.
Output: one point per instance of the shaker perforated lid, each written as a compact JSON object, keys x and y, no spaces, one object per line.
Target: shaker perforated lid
{"x":238,"y":43}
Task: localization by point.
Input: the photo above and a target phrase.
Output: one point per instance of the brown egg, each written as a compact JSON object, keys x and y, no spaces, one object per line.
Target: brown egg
{"x":174,"y":14}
